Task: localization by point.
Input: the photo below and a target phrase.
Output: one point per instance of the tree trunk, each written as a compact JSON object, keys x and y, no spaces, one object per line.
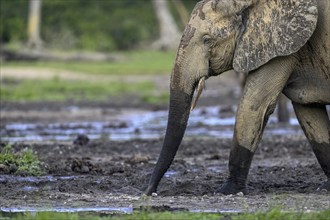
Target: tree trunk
{"x":183,"y":13}
{"x":169,"y":32}
{"x":34,"y":40}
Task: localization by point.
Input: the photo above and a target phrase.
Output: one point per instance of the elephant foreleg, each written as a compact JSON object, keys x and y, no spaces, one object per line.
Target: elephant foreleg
{"x":314,"y":120}
{"x":260,"y":95}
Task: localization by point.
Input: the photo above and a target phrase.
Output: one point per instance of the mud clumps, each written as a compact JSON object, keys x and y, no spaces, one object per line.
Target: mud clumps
{"x":83,"y":165}
{"x":138,"y":159}
{"x":8,"y":168}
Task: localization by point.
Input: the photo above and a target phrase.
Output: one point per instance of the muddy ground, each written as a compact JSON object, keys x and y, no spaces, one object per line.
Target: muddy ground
{"x":106,"y":175}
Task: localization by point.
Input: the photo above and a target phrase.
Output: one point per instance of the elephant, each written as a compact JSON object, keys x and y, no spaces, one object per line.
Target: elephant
{"x":283,"y":46}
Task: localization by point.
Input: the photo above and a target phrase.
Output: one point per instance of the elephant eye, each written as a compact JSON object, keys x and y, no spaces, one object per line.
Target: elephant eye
{"x":207,"y":40}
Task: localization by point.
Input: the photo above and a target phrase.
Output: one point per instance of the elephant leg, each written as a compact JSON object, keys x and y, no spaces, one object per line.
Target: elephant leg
{"x":258,"y":101}
{"x":314,"y":120}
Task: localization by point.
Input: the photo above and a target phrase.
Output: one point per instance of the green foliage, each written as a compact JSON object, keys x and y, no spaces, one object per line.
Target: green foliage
{"x":101,"y":84}
{"x":155,"y":99}
{"x":58,"y":89}
{"x":277,"y":214}
{"x":98,"y":25}
{"x":84,"y":24}
{"x":13,"y":20}
{"x":7,"y":155}
{"x":271,"y":215}
{"x":132,"y":63}
{"x":25,"y":162}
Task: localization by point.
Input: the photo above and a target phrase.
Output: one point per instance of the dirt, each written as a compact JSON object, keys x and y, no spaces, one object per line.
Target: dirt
{"x":85,"y":173}
{"x":284,"y":174}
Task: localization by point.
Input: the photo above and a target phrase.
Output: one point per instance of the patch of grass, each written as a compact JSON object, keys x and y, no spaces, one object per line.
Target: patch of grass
{"x":131,"y":63}
{"x":57,"y":89}
{"x":277,"y":214}
{"x":155,"y":99}
{"x":25,"y":162}
{"x":274,"y":214}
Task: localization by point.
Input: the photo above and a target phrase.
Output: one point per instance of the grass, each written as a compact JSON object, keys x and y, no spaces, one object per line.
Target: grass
{"x":274,"y":214}
{"x":131,"y":63}
{"x":134,"y":63}
{"x":57,"y":89}
{"x":25,"y":162}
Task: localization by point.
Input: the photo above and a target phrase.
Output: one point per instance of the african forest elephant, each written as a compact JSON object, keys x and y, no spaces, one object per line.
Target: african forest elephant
{"x":283,"y":45}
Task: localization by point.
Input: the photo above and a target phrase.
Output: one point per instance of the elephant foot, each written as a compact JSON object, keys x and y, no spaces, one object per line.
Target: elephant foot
{"x":232,"y":188}
{"x":325,"y":186}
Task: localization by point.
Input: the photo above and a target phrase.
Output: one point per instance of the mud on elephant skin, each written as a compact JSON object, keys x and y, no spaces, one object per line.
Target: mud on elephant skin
{"x":283,"y":46}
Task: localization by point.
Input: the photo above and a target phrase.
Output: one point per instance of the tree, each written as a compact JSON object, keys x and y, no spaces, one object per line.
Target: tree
{"x":169,"y":32}
{"x":34,"y":40}
{"x":183,"y":13}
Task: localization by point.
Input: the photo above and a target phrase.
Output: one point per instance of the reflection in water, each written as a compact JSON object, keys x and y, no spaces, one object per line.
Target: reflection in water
{"x":208,"y":122}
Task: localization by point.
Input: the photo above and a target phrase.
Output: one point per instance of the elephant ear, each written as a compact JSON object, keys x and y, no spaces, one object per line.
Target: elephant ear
{"x":273,"y":28}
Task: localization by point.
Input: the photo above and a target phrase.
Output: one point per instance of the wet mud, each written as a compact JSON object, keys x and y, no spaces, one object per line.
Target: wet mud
{"x":98,"y":157}
{"x":113,"y":174}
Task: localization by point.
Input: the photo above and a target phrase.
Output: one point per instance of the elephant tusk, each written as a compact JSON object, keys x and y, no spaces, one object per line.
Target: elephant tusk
{"x":199,"y":92}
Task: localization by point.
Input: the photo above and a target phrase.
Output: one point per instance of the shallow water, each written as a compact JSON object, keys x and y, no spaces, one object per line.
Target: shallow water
{"x":34,"y":179}
{"x":124,"y":210}
{"x":121,"y":210}
{"x":208,"y":122}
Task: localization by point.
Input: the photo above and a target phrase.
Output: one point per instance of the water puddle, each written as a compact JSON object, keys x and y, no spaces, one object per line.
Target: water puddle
{"x":123,"y":210}
{"x":208,"y":122}
{"x":217,"y":211}
{"x":33,"y":179}
{"x":170,"y":173}
{"x":217,"y":169}
{"x":29,"y":188}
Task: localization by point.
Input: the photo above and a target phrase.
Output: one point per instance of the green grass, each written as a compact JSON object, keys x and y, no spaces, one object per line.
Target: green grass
{"x":131,"y":63}
{"x":25,"y":162}
{"x":274,"y":214}
{"x":57,"y":89}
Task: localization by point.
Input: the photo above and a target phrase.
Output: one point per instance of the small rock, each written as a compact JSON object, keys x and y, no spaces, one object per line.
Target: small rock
{"x":154,"y":194}
{"x":137,"y":131}
{"x":138,"y":158}
{"x":81,"y":140}
{"x":240,"y":194}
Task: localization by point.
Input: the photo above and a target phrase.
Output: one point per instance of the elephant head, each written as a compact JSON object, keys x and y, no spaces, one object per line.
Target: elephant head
{"x":228,"y":34}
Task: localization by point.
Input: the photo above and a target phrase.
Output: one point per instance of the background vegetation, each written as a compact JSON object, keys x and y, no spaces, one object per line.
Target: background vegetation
{"x":124,"y":28}
{"x":100,"y":25}
{"x":98,"y":81}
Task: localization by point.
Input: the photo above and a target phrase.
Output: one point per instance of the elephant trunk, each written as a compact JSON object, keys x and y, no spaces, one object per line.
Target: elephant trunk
{"x":179,"y":110}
